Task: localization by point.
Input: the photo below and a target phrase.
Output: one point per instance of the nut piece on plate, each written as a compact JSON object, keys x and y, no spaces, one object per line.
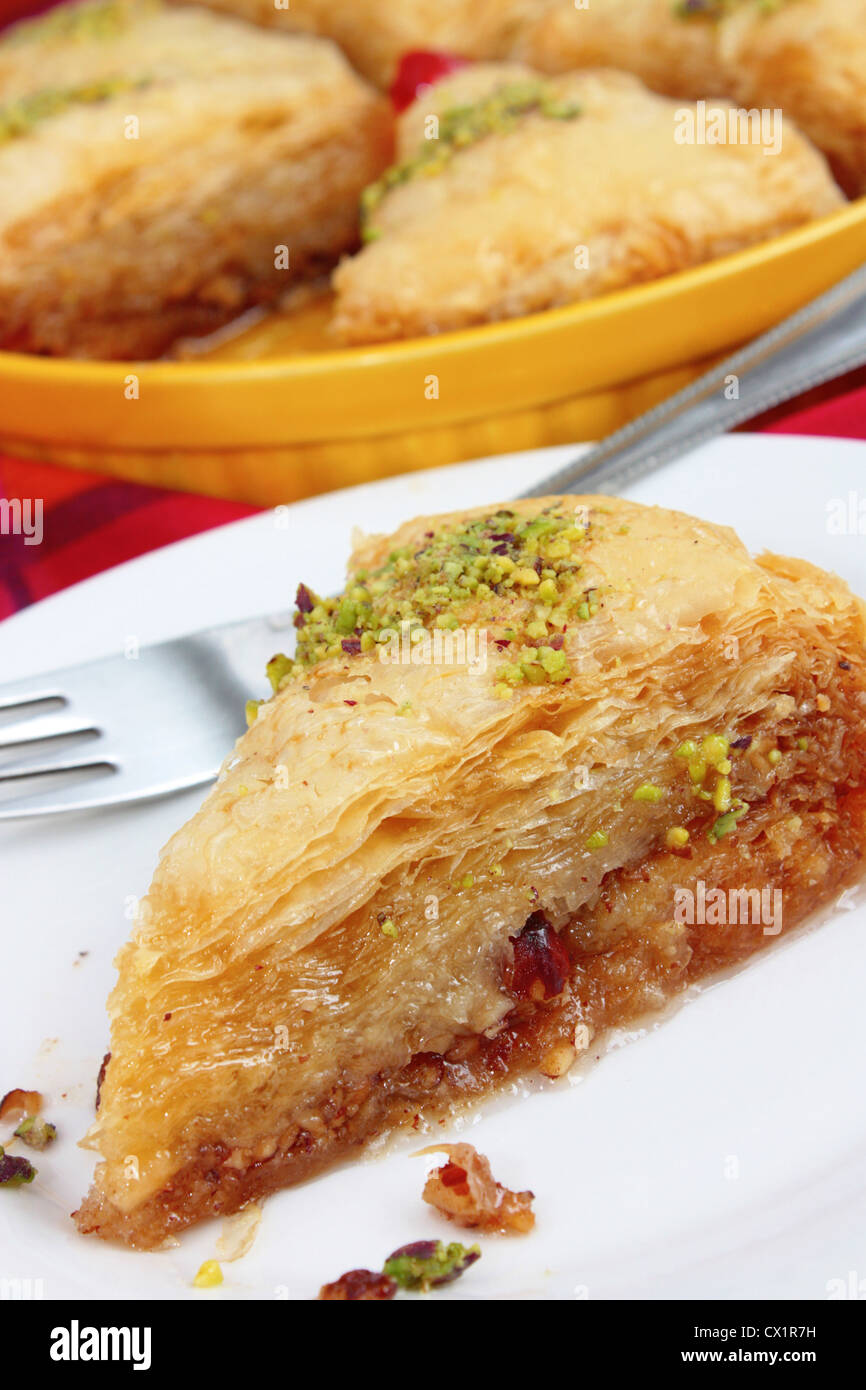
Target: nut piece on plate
{"x":19,"y":1105}
{"x":465,"y":1191}
{"x":359,"y":1285}
{"x":430,"y":1264}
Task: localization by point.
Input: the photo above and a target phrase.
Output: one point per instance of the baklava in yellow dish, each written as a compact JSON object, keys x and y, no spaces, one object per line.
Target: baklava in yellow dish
{"x":514,"y":193}
{"x":161,"y":170}
{"x":502,"y":787}
{"x":375,"y":34}
{"x":806,"y":57}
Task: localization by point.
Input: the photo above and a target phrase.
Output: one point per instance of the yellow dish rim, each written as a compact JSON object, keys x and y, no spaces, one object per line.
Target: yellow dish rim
{"x":27,"y":368}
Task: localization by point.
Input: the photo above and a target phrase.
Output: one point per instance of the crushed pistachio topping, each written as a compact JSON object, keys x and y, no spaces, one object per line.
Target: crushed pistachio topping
{"x":209,"y":1276}
{"x":647,"y":791}
{"x":516,"y":578}
{"x":709,"y":764}
{"x":36,"y":1133}
{"x":714,"y":749}
{"x":15,"y":1172}
{"x":102,"y":20}
{"x":18,"y":118}
{"x":774,"y":757}
{"x":597,"y":840}
{"x":388,"y":926}
{"x":460,"y":126}
{"x":718,"y":9}
{"x":428,"y":1264}
{"x":677,"y":837}
{"x":728,"y":822}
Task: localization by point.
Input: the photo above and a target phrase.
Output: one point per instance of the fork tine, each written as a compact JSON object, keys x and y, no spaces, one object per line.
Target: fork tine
{"x":13,"y":772}
{"x":42,"y":727}
{"x":30,"y":690}
{"x":63,"y":795}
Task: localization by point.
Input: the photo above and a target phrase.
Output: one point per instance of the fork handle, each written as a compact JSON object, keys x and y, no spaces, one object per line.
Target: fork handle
{"x":824,"y":339}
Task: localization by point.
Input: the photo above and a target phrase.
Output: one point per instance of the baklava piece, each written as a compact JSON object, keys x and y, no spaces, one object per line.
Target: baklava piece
{"x":671,"y":46}
{"x":514,"y":193}
{"x":806,"y":57}
{"x":536,"y":770}
{"x":375,"y":34}
{"x":161,"y":170}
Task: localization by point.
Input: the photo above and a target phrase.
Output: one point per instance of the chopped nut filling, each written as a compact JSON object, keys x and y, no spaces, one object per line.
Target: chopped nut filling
{"x":359,"y":1285}
{"x":540,"y":967}
{"x":466,"y":1191}
{"x":18,"y":1104}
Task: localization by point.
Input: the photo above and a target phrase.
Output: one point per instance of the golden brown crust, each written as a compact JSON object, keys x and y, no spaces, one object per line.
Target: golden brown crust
{"x":115,"y":238}
{"x":266,"y":1023}
{"x":645,"y":37}
{"x":556,"y":211}
{"x":375,"y":34}
{"x":807,"y":57}
{"x":628,"y":961}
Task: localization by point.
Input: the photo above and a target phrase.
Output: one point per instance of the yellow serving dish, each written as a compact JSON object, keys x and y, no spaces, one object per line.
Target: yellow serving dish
{"x":276,"y":414}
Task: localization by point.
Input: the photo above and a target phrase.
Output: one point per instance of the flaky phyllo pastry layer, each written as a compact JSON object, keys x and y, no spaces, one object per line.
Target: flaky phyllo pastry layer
{"x":513,"y":193}
{"x":458,"y":840}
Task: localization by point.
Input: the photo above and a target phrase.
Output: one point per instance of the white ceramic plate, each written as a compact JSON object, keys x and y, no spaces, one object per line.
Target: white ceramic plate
{"x":719,"y":1156}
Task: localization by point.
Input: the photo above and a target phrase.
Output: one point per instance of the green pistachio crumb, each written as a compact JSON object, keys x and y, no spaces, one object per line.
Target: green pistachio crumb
{"x":461,"y":126}
{"x":714,"y":749}
{"x":721,"y":827}
{"x":727,"y":822}
{"x":14,"y":1171}
{"x":722,"y":794}
{"x":597,"y":840}
{"x":36,"y":1133}
{"x":677,"y":837}
{"x":429,"y":1264}
{"x":19,"y":117}
{"x":774,"y":757}
{"x":647,"y":791}
{"x":278,"y":668}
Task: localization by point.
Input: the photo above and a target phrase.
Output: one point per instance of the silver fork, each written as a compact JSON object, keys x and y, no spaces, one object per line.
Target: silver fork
{"x":86,"y":722}
{"x":190,"y":692}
